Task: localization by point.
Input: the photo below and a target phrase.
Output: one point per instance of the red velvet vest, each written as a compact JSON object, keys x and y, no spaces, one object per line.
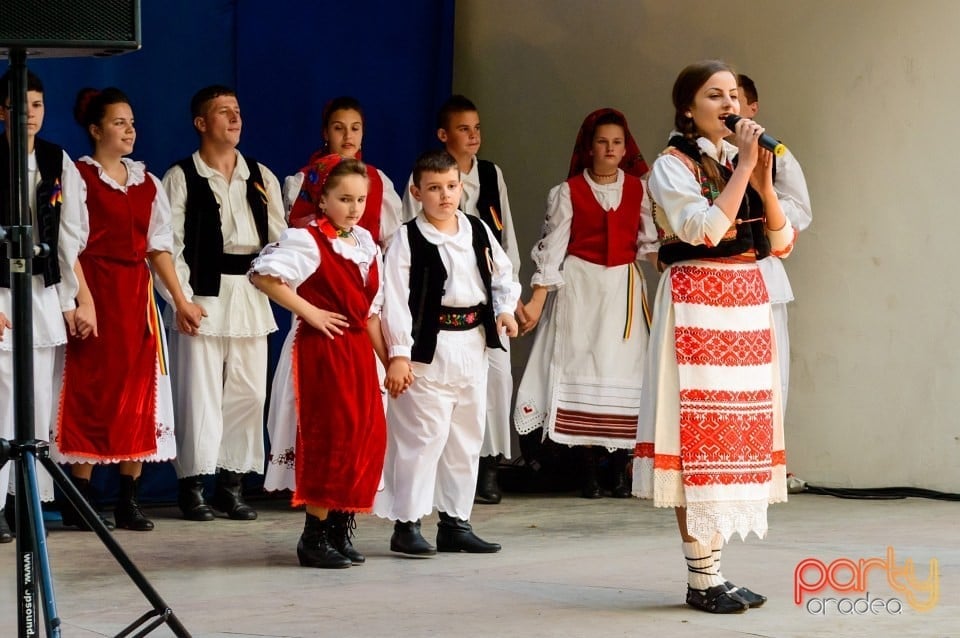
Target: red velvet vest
{"x":118,"y":221}
{"x":607,"y":238}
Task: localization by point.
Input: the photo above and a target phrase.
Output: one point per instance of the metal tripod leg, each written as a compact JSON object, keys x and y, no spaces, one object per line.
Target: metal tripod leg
{"x":35,"y":581}
{"x":161,"y":611}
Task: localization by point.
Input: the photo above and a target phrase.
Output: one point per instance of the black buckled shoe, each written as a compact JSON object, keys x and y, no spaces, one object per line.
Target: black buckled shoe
{"x":716,"y":600}
{"x":456,"y":535}
{"x":190,"y":499}
{"x":315,"y":548}
{"x":128,"y":513}
{"x":342,"y":525}
{"x":228,"y":497}
{"x":488,"y":490}
{"x":408,"y":540}
{"x":752,"y":598}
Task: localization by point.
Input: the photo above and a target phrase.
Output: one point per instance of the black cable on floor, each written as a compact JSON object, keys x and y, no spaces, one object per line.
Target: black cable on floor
{"x":881,"y":493}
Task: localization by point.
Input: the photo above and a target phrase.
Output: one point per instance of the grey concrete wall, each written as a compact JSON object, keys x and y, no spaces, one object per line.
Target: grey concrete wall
{"x":865,"y":95}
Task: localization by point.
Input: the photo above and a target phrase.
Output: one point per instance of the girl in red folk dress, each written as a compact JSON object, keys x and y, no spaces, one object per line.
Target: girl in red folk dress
{"x":711,"y":432}
{"x":115,"y":403}
{"x":328,"y":275}
{"x":583,"y":380}
{"x":343,"y":135}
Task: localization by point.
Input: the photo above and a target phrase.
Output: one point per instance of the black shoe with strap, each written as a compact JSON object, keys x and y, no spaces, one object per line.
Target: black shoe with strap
{"x":228,"y":497}
{"x":752,"y":598}
{"x":716,"y":600}
{"x":128,"y":513}
{"x":315,"y":548}
{"x":456,"y":535}
{"x":408,"y":540}
{"x":342,"y":525}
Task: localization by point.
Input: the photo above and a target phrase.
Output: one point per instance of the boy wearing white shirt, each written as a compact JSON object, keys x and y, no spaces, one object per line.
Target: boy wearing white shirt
{"x":58,"y":221}
{"x":484,"y":196}
{"x":791,"y":189}
{"x":449,"y":296}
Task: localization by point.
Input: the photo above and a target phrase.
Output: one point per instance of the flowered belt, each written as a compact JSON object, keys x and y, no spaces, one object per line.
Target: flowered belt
{"x":461,"y":318}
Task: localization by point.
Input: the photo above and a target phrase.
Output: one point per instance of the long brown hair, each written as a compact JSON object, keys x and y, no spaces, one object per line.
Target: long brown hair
{"x":685,"y":88}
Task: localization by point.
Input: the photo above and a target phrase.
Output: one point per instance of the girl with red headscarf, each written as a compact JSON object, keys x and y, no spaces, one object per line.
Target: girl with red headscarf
{"x":326,"y":421}
{"x":343,"y":135}
{"x":583,"y":379}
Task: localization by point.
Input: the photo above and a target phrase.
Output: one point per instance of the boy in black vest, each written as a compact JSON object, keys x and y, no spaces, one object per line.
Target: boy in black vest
{"x":450,"y":295}
{"x":226,"y":207}
{"x":55,"y":203}
{"x":484,"y":196}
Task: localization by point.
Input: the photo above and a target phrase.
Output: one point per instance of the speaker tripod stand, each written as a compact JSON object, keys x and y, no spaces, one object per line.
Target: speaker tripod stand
{"x":34,"y":578}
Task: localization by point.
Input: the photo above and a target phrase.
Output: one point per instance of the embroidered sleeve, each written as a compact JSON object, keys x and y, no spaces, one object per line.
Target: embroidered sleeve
{"x":549,"y":252}
{"x":647,"y":238}
{"x":292,"y":259}
{"x":291,"y":190}
{"x":691,"y":215}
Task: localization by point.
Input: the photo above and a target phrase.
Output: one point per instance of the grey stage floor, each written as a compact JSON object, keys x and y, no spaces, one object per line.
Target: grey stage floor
{"x":569,"y":567}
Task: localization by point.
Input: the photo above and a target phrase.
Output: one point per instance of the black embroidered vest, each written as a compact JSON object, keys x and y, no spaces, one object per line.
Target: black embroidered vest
{"x":488,"y":200}
{"x":740,"y":239}
{"x":427,"y":277}
{"x":49,"y":199}
{"x":203,"y":235}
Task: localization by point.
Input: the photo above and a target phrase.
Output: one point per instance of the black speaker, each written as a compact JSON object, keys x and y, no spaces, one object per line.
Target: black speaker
{"x":69,"y":28}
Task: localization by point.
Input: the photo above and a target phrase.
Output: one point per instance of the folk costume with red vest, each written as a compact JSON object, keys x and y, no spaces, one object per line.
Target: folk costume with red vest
{"x":329,"y":405}
{"x":109,"y":405}
{"x":56,"y":213}
{"x":711,"y":437}
{"x":583,"y":380}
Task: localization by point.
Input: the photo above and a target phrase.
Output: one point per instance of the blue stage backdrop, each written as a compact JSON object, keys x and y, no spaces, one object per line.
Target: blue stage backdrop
{"x":286,"y":59}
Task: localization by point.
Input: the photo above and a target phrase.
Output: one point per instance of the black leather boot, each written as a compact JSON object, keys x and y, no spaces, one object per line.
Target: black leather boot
{"x":408,"y":540}
{"x":228,"y":497}
{"x":128,"y":513}
{"x":6,"y":534}
{"x":590,"y":487}
{"x":488,"y":491}
{"x":342,"y":525}
{"x":70,"y":516}
{"x":456,"y":535}
{"x":315,"y":548}
{"x":190,"y":499}
{"x":622,"y":485}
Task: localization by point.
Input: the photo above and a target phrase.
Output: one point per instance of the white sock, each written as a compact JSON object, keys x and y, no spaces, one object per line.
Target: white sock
{"x":716,"y":546}
{"x":701,"y":572}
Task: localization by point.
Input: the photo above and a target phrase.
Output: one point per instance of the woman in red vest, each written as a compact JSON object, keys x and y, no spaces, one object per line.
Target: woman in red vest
{"x":343,"y":136}
{"x":116,"y":405}
{"x":583,"y":379}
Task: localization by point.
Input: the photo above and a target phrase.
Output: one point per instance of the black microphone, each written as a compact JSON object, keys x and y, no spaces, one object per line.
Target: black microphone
{"x":768,"y":142}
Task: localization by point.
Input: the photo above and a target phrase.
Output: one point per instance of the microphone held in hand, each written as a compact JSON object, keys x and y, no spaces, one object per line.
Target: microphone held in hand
{"x":768,"y":142}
